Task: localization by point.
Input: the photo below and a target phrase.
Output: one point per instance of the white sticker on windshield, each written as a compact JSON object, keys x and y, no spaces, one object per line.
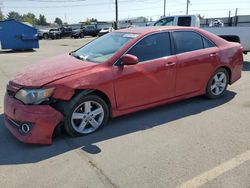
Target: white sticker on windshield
{"x":130,"y":35}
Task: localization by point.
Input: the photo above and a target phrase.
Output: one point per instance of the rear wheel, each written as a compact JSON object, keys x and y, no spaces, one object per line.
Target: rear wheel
{"x":217,"y":84}
{"x":81,"y":35}
{"x":86,"y":114}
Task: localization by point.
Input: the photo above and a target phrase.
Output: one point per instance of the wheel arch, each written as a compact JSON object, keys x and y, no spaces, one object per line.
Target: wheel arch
{"x":59,"y":106}
{"x":229,"y":71}
{"x":96,"y":92}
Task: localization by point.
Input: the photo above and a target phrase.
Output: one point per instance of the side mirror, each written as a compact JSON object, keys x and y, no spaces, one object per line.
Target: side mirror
{"x":129,"y":59}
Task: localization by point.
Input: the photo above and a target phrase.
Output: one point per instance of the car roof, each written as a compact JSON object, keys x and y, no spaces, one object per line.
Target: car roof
{"x":152,"y":29}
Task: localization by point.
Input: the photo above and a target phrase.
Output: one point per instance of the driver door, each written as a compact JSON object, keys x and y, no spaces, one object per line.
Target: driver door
{"x":152,"y":79}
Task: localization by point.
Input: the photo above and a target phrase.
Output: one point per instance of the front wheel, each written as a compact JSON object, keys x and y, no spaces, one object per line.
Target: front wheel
{"x":217,"y":84}
{"x":86,"y":115}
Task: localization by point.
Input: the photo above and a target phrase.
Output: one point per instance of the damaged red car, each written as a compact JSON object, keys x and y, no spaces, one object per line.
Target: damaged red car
{"x":122,"y":72}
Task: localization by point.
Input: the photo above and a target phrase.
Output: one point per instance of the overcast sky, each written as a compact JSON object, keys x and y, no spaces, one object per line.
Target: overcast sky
{"x":74,"y":11}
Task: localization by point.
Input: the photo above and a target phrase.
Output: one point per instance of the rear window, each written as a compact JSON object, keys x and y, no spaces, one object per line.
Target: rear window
{"x":168,"y":21}
{"x":186,"y":41}
{"x":207,"y":43}
{"x":184,"y":21}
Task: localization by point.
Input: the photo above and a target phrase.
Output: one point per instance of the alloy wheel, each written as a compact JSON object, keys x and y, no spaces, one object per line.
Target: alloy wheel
{"x":219,"y":83}
{"x":87,"y":117}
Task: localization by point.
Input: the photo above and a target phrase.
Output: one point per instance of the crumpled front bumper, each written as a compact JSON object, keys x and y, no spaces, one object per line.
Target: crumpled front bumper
{"x":42,"y":120}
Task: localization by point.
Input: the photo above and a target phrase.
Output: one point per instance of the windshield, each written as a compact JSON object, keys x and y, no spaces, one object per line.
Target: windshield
{"x":103,"y":48}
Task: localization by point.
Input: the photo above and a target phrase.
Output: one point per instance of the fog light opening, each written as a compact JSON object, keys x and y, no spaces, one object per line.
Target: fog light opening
{"x":25,"y":128}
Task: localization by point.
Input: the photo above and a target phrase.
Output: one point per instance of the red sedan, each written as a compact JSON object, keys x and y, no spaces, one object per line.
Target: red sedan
{"x":122,"y":72}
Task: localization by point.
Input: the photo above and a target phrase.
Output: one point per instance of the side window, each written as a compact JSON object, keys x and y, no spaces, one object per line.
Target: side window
{"x":169,"y":21}
{"x":152,"y":47}
{"x":184,"y":21}
{"x":186,"y":41}
{"x":90,"y":27}
{"x":207,"y":43}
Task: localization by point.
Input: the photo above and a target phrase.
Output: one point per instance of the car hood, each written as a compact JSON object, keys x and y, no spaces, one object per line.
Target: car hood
{"x":50,"y":70}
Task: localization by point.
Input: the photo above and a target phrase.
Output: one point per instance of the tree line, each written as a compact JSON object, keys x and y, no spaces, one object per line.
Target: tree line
{"x":30,"y":18}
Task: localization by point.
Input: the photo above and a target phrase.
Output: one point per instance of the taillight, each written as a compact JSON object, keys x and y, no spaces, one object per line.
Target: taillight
{"x":241,"y":49}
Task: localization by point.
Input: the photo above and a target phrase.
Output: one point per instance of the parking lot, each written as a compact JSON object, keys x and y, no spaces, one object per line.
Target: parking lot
{"x":192,"y":143}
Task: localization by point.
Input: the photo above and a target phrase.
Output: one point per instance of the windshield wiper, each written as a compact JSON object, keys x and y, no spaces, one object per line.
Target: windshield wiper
{"x":78,"y":56}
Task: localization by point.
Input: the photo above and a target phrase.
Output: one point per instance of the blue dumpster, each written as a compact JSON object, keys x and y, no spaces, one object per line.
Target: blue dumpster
{"x":17,"y":36}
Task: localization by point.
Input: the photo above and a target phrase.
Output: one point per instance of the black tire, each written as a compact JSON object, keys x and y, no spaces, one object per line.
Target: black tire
{"x":81,"y":35}
{"x":69,"y":109}
{"x":210,"y":92}
{"x":45,"y":36}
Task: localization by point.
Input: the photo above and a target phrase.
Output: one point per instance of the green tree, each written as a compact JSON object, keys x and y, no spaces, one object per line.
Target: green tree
{"x":58,"y":21}
{"x":14,"y":15}
{"x":30,"y":18}
{"x":89,"y":21}
{"x":1,"y":15}
{"x":42,"y":20}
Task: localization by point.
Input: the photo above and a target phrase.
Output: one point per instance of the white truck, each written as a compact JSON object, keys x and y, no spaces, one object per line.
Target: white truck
{"x":232,"y":34}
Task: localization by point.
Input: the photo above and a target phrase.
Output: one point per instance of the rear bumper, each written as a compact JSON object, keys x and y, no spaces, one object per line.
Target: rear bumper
{"x":42,"y":120}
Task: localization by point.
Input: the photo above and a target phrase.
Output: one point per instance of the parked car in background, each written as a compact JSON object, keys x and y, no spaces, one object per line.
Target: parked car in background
{"x":77,"y":33}
{"x":89,"y":30}
{"x":122,"y":72}
{"x":43,"y":34}
{"x":216,"y":23}
{"x":66,"y":32}
{"x":106,"y":30}
{"x":55,"y":33}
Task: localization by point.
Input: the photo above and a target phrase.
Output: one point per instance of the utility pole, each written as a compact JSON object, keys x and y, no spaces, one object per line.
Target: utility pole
{"x":164,"y":13}
{"x":236,"y":17}
{"x":229,"y":18}
{"x":188,"y":2}
{"x":116,"y":14}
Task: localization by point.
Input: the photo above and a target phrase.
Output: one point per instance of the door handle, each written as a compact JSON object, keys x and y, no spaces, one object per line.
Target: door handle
{"x":169,"y":64}
{"x":213,"y":54}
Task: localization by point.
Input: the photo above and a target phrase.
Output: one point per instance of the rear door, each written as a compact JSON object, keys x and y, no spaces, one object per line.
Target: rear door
{"x":152,"y":79}
{"x":196,"y":57}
